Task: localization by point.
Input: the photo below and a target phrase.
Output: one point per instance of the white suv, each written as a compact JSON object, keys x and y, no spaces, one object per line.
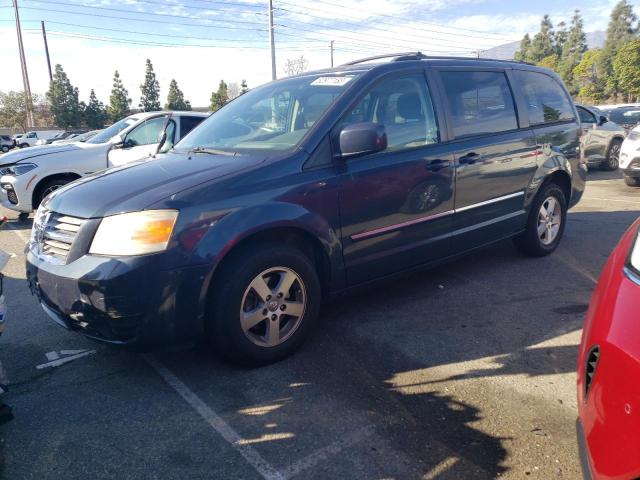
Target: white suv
{"x":27,"y":176}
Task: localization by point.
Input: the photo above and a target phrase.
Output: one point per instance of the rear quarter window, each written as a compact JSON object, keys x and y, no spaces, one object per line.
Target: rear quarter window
{"x":479,"y":102}
{"x":188,"y":123}
{"x":546,"y":100}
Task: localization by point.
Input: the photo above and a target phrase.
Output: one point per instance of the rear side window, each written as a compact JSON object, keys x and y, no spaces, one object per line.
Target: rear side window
{"x":546,"y":100}
{"x":403,"y":105}
{"x":188,"y":123}
{"x":479,"y":103}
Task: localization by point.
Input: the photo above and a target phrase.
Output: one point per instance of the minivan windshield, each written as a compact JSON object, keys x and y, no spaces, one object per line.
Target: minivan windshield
{"x":105,"y":135}
{"x":275,"y":116}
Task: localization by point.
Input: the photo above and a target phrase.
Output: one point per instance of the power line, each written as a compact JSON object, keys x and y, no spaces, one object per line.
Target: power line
{"x":409,"y":30}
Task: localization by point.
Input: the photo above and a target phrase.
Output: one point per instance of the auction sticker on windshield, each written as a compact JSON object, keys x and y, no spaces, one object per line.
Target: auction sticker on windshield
{"x":332,"y":81}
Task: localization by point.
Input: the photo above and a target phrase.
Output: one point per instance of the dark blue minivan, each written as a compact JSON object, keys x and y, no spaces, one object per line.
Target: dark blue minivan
{"x":303,"y":188}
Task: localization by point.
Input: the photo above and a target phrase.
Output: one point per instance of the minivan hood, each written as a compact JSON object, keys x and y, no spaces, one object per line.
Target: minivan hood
{"x":38,"y":151}
{"x":135,"y":186}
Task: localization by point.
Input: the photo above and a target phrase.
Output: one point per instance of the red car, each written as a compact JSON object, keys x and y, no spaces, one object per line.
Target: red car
{"x":609,"y":369}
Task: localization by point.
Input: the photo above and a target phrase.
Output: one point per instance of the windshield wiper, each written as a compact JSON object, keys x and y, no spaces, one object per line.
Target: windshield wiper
{"x":211,"y":151}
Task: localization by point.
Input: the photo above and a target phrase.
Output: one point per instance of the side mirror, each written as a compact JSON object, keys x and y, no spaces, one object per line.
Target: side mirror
{"x":117,"y":142}
{"x":161,"y":140}
{"x":602,"y":120}
{"x":362,"y":138}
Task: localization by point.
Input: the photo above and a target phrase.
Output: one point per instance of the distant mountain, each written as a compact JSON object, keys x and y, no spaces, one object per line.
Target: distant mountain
{"x":508,"y":50}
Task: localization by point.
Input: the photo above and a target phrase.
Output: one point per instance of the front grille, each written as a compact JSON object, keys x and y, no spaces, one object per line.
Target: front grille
{"x":54,"y":234}
{"x":590,"y":369}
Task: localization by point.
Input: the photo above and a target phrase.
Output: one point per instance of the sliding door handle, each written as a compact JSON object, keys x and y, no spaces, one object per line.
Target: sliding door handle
{"x":470,"y":158}
{"x":436,"y":165}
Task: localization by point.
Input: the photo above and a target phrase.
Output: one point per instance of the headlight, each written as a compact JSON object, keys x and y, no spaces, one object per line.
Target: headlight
{"x":633,"y":135}
{"x":19,"y":169}
{"x":135,"y":233}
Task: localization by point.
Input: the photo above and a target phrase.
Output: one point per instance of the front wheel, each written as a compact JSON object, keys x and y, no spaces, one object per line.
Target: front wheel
{"x":613,"y":156}
{"x":265,"y":302}
{"x":47,"y":188}
{"x":545,"y":225}
{"x":23,"y":145}
{"x":5,"y":149}
{"x":632,"y":181}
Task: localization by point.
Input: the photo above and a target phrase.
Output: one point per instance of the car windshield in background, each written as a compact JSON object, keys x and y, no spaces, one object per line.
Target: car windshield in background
{"x":273,"y":117}
{"x":108,"y":133}
{"x":623,"y":116}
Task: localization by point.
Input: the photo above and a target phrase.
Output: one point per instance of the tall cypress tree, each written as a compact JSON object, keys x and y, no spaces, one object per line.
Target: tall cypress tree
{"x":63,"y":98}
{"x":175,"y":99}
{"x":543,"y":43}
{"x":94,"y":113}
{"x":619,"y":32}
{"x":119,"y":101}
{"x":572,"y":51}
{"x":244,"y":88}
{"x":525,"y":46}
{"x":219,"y":98}
{"x":150,"y":89}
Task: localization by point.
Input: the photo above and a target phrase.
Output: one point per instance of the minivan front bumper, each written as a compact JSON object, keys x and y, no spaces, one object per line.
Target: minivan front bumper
{"x":127,"y":301}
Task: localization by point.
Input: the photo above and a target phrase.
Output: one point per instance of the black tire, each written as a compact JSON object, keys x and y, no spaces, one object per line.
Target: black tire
{"x":613,"y":156}
{"x":5,"y":149}
{"x":24,"y":145}
{"x":529,"y":242}
{"x":632,"y":181}
{"x":229,"y":287}
{"x":46,"y":188}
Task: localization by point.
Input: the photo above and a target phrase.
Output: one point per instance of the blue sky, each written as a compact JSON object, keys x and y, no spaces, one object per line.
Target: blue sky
{"x":199,"y":42}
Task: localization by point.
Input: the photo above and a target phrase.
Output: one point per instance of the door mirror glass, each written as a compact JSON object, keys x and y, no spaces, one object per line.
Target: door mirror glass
{"x":117,"y":141}
{"x":603,"y":120}
{"x":362,"y":138}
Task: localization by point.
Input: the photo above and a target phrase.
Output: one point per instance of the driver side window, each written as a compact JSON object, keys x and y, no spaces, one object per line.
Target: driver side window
{"x":403,"y":106}
{"x":147,"y":133}
{"x":586,"y":116}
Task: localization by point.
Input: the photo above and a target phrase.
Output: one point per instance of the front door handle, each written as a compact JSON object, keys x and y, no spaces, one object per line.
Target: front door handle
{"x":437,"y":165}
{"x":470,"y":158}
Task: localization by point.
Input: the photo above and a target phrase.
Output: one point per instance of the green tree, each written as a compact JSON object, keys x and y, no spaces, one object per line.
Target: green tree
{"x":543,"y":43}
{"x":95,"y":113}
{"x":63,"y":100}
{"x":587,"y":78}
{"x":572,"y":51}
{"x":13,"y":110}
{"x":522,"y":54}
{"x":175,"y":99}
{"x":550,"y":61}
{"x":219,"y":98}
{"x":626,"y":68}
{"x":244,"y":88}
{"x":560,"y":37}
{"x":620,"y":31}
{"x":119,"y":101}
{"x":150,"y":89}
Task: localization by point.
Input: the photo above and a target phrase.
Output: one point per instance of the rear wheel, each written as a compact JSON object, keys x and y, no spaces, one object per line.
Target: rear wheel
{"x":23,"y":145}
{"x":265,"y":302}
{"x":632,"y":181}
{"x":545,"y":225}
{"x":46,"y":188}
{"x":5,"y":149}
{"x":613,"y":156}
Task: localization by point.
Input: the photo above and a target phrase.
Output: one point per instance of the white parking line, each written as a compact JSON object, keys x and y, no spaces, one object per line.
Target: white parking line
{"x":251,"y":455}
{"x":327,"y":452}
{"x":56,"y":362}
{"x":601,"y":199}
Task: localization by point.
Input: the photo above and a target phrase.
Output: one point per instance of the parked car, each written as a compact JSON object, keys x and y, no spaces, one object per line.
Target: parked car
{"x":6,"y":143}
{"x":630,"y":158}
{"x":60,"y":136}
{"x":80,"y":137}
{"x":29,"y":139}
{"x":602,"y":138}
{"x":627,"y":116}
{"x":608,"y":365}
{"x":27,"y":176}
{"x":302,"y":189}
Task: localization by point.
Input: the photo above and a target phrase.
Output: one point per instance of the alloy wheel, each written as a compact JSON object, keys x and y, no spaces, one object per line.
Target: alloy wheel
{"x":614,"y":156}
{"x":273,"y":306}
{"x":549,"y":220}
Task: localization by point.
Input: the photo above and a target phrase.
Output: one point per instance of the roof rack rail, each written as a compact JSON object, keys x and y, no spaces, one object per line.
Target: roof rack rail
{"x":397,"y":57}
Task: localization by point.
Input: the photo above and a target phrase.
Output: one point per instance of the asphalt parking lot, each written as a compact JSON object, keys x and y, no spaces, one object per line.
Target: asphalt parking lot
{"x":463,"y":372}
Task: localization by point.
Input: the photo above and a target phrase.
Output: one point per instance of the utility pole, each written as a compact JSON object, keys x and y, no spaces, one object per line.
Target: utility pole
{"x":46,"y":50}
{"x":23,"y":64}
{"x":272,"y":45}
{"x":331,"y":46}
